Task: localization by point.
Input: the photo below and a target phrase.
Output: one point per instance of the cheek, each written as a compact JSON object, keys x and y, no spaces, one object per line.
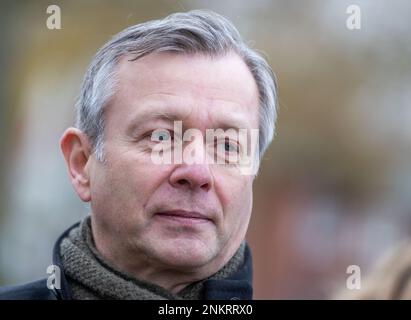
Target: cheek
{"x":237,"y":205}
{"x":235,"y":194}
{"x":125,"y":183}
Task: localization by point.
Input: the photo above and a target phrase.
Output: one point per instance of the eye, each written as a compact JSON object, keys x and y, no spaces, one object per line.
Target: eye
{"x":160,"y":135}
{"x":228,"y":146}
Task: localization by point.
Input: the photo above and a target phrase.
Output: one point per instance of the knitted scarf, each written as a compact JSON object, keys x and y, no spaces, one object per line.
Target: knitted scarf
{"x":91,"y":277}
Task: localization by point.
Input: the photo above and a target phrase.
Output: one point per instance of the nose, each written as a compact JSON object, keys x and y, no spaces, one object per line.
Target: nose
{"x":194,"y":173}
{"x":192,"y":177}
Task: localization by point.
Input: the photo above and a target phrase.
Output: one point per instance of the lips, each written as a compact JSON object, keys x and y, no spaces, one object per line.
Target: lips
{"x":184,"y":216}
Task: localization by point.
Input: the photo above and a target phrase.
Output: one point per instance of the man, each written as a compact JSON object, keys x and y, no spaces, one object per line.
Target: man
{"x":162,"y":229}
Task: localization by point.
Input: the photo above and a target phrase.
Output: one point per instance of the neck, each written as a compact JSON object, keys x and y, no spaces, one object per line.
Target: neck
{"x":173,"y":279}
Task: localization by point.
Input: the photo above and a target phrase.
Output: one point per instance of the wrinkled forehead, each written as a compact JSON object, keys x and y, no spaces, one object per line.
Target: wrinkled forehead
{"x":182,"y":86}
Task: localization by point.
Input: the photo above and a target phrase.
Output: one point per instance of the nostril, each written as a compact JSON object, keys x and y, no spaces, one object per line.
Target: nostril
{"x":193,"y":177}
{"x":205,"y":186}
{"x":182,"y":181}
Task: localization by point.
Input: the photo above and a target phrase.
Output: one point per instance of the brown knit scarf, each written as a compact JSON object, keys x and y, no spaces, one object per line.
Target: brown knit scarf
{"x":91,"y":277}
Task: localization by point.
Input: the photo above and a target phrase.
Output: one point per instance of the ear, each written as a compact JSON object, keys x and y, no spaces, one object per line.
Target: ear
{"x":76,"y":149}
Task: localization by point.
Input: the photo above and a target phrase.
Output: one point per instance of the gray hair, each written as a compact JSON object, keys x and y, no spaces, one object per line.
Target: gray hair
{"x":197,"y":31}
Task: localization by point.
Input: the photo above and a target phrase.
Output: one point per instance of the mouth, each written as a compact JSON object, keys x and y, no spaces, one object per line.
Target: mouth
{"x":184,"y":217}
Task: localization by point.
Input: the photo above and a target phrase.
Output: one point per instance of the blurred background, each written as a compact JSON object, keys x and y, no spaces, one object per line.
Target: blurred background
{"x":335,"y":186}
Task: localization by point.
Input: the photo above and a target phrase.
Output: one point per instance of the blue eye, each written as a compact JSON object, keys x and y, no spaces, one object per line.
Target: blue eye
{"x":160,"y":135}
{"x":229,"y":146}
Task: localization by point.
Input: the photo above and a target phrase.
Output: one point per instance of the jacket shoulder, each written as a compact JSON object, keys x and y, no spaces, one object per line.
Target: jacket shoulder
{"x":36,"y":290}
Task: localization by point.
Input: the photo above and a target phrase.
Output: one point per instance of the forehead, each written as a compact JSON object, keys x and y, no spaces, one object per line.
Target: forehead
{"x":197,"y":86}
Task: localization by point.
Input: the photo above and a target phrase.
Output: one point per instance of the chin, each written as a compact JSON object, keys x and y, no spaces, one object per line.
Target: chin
{"x":188,"y":253}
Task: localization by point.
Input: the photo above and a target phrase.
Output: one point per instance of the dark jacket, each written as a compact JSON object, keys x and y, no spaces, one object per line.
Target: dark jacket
{"x":236,"y":287}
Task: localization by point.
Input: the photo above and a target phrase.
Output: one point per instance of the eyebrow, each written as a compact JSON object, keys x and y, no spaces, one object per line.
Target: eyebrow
{"x":231,"y":120}
{"x":224,"y":120}
{"x":150,"y":115}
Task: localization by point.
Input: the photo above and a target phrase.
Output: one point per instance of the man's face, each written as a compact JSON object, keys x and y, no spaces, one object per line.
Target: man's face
{"x":174,"y":215}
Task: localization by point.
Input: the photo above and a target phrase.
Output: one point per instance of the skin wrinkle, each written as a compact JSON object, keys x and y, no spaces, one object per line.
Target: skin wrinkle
{"x":128,"y":190}
{"x":229,"y":121}
{"x":164,"y":119}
